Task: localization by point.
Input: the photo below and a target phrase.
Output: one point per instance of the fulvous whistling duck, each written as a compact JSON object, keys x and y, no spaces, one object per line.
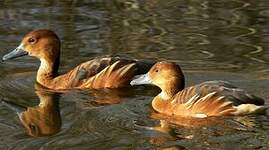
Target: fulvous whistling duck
{"x":211,"y":98}
{"x":106,"y":72}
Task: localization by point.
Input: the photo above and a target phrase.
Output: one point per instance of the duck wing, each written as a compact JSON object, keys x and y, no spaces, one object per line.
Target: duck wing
{"x":110,"y":72}
{"x":116,"y":75}
{"x":209,"y":105}
{"x":224,"y":89}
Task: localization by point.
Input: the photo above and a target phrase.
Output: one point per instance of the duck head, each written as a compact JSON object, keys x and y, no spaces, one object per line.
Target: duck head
{"x":42,"y":44}
{"x":166,"y":75}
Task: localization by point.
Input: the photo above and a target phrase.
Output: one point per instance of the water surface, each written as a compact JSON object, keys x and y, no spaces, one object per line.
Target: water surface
{"x":210,"y":40}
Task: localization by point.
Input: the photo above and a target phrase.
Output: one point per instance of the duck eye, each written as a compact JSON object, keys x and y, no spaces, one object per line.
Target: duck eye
{"x":32,"y":127}
{"x":32,"y":40}
{"x":156,"y":70}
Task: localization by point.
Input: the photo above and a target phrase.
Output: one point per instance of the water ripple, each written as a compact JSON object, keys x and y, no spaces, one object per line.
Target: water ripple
{"x":224,"y":39}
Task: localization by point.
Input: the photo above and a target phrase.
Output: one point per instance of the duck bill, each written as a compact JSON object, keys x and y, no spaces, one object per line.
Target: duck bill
{"x":141,"y":79}
{"x":18,"y":52}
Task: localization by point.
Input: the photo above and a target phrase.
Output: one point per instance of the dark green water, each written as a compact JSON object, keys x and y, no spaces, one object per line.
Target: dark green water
{"x":210,"y":40}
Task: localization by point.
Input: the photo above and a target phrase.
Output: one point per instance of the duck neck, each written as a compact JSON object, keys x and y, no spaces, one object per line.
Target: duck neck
{"x":47,"y":71}
{"x":171,"y":88}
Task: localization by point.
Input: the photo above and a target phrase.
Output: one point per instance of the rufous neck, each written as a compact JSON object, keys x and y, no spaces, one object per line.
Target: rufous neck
{"x":171,"y":88}
{"x":48,"y":70}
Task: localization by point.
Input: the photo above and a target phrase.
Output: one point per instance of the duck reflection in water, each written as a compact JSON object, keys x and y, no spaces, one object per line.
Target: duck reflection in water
{"x":170,"y":130}
{"x":108,"y":96}
{"x":43,"y":119}
{"x":167,"y":131}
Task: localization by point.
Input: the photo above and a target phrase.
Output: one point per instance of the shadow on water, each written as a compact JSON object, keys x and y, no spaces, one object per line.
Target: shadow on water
{"x":210,"y":40}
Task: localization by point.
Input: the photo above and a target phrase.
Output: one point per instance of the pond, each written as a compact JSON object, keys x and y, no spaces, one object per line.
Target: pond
{"x":210,"y":40}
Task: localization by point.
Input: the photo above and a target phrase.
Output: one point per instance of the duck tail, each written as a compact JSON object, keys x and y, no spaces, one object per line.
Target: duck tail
{"x":264,"y":110}
{"x":267,"y":111}
{"x":252,"y":109}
